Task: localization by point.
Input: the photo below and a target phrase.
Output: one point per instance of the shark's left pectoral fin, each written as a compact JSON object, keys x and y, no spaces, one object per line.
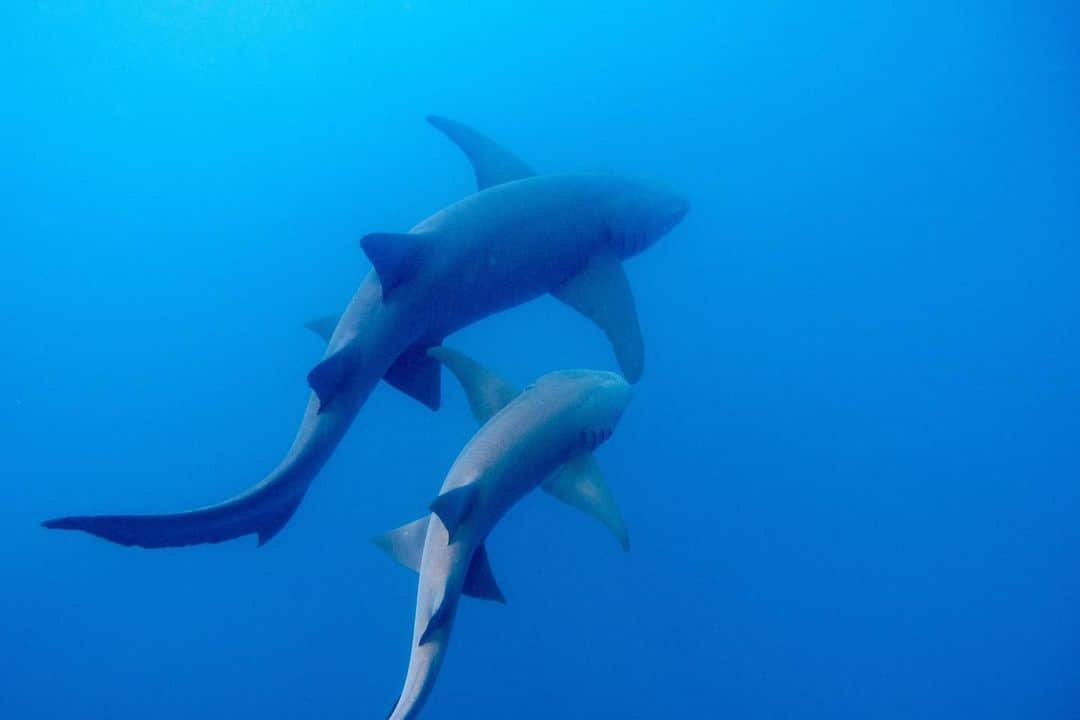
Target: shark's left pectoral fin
{"x":396,"y":258}
{"x":480,"y":580}
{"x":417,"y":375}
{"x":454,"y":506}
{"x":406,"y":543}
{"x":602,"y":293}
{"x":580,"y":483}
{"x":323,"y":327}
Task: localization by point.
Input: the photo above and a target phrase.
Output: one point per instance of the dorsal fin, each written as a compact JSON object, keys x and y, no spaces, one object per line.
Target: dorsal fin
{"x":323,"y":327}
{"x":331,"y":375}
{"x":492,"y":163}
{"x":395,"y":257}
{"x":602,"y":293}
{"x":406,"y":543}
{"x":487,"y":392}
{"x":439,"y":619}
{"x":480,"y":580}
{"x":453,"y":506}
{"x":580,"y":483}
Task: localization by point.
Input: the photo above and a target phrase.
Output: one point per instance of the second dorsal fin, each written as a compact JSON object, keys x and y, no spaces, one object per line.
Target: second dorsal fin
{"x":395,"y":257}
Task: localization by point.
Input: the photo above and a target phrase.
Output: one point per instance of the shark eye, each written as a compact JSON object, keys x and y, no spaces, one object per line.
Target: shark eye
{"x":530,"y":386}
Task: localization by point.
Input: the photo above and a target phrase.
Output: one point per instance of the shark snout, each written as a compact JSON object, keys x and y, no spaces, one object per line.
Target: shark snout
{"x":616,"y":391}
{"x":677,"y":208}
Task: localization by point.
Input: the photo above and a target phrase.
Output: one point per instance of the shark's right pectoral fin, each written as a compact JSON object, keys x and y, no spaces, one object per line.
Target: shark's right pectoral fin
{"x":487,"y":392}
{"x":580,"y":483}
{"x":492,"y":163}
{"x":602,"y":293}
{"x":330,"y":377}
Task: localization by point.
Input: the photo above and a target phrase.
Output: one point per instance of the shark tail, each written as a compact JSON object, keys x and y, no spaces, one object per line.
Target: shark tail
{"x":243,"y":515}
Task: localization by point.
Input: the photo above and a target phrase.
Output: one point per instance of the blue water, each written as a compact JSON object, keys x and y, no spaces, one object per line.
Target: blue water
{"x":850,"y":471}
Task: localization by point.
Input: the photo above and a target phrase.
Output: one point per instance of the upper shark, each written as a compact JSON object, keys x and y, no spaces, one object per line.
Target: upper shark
{"x":543,"y":436}
{"x":520,"y":236}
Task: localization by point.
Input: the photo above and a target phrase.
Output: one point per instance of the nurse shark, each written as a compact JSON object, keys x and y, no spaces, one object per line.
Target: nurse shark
{"x":542,"y":437}
{"x":520,"y":236}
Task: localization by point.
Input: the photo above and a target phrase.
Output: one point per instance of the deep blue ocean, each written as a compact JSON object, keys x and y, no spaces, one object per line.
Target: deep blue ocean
{"x":851,"y":471}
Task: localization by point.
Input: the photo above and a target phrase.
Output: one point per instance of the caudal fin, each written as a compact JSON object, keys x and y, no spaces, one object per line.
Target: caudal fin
{"x":214,"y":524}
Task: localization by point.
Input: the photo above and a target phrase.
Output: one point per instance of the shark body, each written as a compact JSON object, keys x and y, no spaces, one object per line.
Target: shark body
{"x":520,"y":236}
{"x":543,"y":436}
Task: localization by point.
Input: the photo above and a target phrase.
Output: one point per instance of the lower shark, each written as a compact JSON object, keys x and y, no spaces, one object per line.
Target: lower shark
{"x":521,"y":236}
{"x":543,"y":436}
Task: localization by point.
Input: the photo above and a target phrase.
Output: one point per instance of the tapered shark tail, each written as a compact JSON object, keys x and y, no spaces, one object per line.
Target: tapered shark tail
{"x":244,"y":515}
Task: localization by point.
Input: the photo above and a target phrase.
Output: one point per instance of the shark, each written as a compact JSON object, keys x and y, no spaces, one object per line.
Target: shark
{"x":543,"y":436}
{"x":520,"y":236}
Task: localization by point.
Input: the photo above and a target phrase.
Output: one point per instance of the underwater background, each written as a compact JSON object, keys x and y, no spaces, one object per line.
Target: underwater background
{"x":850,"y":471}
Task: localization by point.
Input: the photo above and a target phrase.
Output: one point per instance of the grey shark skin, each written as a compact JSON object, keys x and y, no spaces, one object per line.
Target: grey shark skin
{"x":500,"y":247}
{"x":563,"y":415}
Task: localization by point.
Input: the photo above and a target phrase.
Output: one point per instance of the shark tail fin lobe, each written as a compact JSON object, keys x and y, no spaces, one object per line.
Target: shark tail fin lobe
{"x":492,"y":163}
{"x":323,"y":327}
{"x":418,"y":376}
{"x":214,"y":524}
{"x":272,"y":522}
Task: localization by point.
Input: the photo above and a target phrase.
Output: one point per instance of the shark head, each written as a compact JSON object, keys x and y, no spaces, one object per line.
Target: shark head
{"x":642,"y":213}
{"x":594,"y":401}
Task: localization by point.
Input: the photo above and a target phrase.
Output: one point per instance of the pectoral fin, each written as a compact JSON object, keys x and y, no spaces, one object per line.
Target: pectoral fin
{"x":480,"y":580}
{"x":406,"y":543}
{"x":487,"y":392}
{"x":454,"y":506}
{"x":492,"y":163}
{"x":580,"y":483}
{"x":395,"y":257}
{"x":602,"y":293}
